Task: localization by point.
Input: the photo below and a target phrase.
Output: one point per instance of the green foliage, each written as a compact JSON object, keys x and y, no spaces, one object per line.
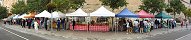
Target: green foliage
{"x":114,"y":4}
{"x":65,"y":5}
{"x":187,"y":12}
{"x":40,"y":5}
{"x":19,"y":8}
{"x":168,"y":10}
{"x":153,"y":6}
{"x":37,"y":5}
{"x":177,"y":6}
{"x":3,"y":12}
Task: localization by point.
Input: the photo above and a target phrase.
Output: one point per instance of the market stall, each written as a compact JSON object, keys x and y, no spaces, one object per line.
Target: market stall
{"x":143,"y":14}
{"x":125,"y":13}
{"x":44,"y":14}
{"x":78,"y":17}
{"x":30,"y":15}
{"x":162,"y":15}
{"x":22,"y":16}
{"x":102,"y":22}
{"x":57,"y":14}
{"x":16,"y":17}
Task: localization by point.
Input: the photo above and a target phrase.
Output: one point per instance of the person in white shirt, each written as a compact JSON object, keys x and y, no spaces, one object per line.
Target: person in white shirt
{"x":36,"y":26}
{"x":149,"y":26}
{"x":187,"y":23}
{"x":145,"y":26}
{"x":136,"y":26}
{"x":127,"y":25}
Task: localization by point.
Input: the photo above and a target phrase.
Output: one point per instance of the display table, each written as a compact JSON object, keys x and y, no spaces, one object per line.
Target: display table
{"x":84,"y":27}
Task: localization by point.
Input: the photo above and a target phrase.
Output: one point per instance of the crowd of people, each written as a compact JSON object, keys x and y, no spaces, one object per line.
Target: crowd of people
{"x":37,"y":23}
{"x":146,"y":25}
{"x":131,"y":26}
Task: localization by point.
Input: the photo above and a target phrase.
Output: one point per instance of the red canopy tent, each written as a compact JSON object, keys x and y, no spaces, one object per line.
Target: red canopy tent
{"x":143,"y":14}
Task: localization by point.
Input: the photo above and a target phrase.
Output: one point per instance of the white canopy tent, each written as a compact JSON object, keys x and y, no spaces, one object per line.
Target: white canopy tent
{"x":22,"y":16}
{"x":102,"y":11}
{"x":57,"y":14}
{"x":78,"y":12}
{"x":4,"y":19}
{"x":10,"y":17}
{"x":44,"y":14}
{"x":15,"y":17}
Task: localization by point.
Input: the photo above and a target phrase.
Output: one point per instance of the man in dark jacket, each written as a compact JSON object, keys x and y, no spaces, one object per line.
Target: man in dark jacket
{"x":23,"y":23}
{"x":156,"y":24}
{"x":74,"y":23}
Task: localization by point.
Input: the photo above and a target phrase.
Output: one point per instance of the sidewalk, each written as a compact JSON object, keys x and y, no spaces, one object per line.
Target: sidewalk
{"x":84,"y":35}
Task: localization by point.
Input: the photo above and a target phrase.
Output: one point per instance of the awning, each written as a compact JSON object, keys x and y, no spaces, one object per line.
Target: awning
{"x":57,"y":14}
{"x":126,"y":13}
{"x":15,"y":17}
{"x":30,"y":15}
{"x":22,"y":16}
{"x":162,"y":15}
{"x":44,"y":14}
{"x":143,"y":14}
{"x":78,"y":12}
{"x":102,"y":11}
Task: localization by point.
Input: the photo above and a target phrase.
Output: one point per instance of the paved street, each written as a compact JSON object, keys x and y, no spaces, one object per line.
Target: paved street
{"x":177,"y":35}
{"x":9,"y":34}
{"x":158,"y":34}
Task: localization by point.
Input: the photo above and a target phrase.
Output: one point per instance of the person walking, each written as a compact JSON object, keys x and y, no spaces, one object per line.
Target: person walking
{"x":58,"y":25}
{"x":32,"y":23}
{"x":141,"y":26}
{"x":182,"y":23}
{"x":63,"y":24}
{"x":36,"y":25}
{"x":187,"y":23}
{"x":23,"y":23}
{"x":156,"y":24}
{"x":45,"y":24}
{"x":136,"y":26}
{"x":73,"y":24}
{"x":48,"y":25}
{"x":131,"y":26}
{"x":149,"y":26}
{"x":145,"y":28}
{"x":127,"y":25}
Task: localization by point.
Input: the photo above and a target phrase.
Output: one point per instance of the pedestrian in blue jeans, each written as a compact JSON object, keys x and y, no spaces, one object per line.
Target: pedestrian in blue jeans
{"x":63,"y":24}
{"x":58,"y":25}
{"x":136,"y":26}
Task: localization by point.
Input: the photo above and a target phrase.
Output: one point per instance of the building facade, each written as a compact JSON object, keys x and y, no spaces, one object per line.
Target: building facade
{"x":9,"y":3}
{"x":92,"y":5}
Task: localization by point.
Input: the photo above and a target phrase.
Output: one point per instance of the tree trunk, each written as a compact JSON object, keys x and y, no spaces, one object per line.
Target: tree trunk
{"x":174,"y":14}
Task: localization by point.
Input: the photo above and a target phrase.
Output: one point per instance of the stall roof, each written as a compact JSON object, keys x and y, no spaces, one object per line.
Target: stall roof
{"x":102,"y":11}
{"x":162,"y":15}
{"x":126,"y":13}
{"x":44,"y":14}
{"x":143,"y":14}
{"x":78,"y":12}
{"x":57,"y":14}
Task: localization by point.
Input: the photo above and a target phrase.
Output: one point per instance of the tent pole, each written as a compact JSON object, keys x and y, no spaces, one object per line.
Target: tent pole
{"x":112,"y":23}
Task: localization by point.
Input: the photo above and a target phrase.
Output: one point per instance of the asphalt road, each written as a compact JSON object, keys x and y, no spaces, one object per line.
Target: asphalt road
{"x":177,"y":35}
{"x":9,"y":34}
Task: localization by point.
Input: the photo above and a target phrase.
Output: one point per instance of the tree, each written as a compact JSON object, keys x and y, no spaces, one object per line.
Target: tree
{"x":66,"y":5}
{"x":114,"y":4}
{"x":19,"y":8}
{"x":177,"y":6}
{"x":187,"y":12}
{"x":3,"y":12}
{"x":37,"y":5}
{"x":153,"y":6}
